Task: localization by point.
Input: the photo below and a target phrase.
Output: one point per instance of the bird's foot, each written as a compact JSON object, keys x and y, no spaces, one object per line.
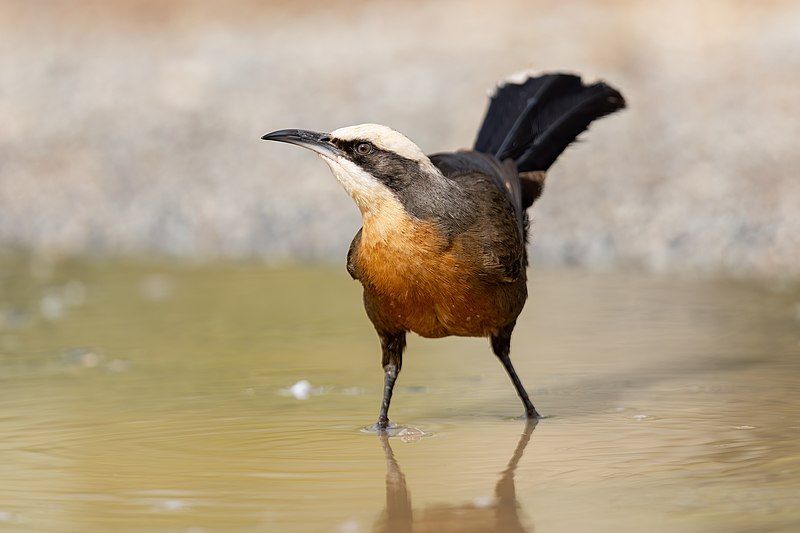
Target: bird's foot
{"x":381,"y":427}
{"x":530,"y":410}
{"x":388,"y":428}
{"x":531,"y":414}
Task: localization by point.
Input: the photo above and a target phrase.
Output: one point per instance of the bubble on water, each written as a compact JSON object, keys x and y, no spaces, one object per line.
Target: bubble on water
{"x":619,"y":409}
{"x":744,"y":427}
{"x":640,"y":417}
{"x":7,"y":516}
{"x":302,"y":390}
{"x":409,"y":434}
{"x":51,"y":307}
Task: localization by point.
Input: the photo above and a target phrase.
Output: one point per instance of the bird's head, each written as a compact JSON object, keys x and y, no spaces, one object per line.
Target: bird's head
{"x":375,"y":164}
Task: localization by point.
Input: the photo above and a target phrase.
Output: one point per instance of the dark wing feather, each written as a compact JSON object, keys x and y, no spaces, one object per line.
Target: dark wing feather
{"x":495,"y":235}
{"x":504,"y":175}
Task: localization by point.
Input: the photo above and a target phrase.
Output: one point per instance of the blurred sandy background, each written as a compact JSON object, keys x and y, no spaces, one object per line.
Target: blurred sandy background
{"x":132,"y":128}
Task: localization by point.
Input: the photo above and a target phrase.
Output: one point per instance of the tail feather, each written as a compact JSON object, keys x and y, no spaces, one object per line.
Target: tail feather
{"x":532,"y":123}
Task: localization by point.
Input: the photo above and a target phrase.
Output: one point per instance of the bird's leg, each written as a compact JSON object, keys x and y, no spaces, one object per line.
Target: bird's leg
{"x":392,"y":345}
{"x":390,"y":376}
{"x":501,"y":345}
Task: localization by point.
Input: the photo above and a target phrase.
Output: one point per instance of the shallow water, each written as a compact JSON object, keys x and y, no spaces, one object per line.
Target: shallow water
{"x":141,"y":396}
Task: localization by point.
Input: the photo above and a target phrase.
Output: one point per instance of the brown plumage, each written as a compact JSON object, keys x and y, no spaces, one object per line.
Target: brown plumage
{"x":416,"y":279}
{"x":442,"y":249}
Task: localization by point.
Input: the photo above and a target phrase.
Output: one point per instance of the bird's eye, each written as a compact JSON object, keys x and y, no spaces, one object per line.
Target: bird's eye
{"x":363,"y":148}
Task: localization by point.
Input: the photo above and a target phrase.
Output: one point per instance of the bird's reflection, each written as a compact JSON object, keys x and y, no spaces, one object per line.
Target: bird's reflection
{"x":500,"y":514}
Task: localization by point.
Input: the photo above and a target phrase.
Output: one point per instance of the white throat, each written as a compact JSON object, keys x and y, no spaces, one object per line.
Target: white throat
{"x":368,"y":193}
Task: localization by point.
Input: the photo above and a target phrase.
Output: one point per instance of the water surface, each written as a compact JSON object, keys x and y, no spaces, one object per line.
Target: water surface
{"x":138,"y":395}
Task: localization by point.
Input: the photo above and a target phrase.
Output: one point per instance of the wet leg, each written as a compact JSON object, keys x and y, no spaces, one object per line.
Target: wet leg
{"x":501,"y":345}
{"x":392,"y":345}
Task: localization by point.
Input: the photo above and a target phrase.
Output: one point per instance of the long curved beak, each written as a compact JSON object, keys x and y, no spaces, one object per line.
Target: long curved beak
{"x":314,"y":141}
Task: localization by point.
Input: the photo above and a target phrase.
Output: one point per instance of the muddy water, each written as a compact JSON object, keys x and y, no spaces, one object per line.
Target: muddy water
{"x":144,"y":396}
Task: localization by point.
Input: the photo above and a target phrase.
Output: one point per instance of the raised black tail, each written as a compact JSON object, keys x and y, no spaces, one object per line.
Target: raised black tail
{"x":532,"y":122}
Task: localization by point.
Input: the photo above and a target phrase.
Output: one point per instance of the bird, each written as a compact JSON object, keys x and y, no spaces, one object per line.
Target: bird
{"x":442,"y":250}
